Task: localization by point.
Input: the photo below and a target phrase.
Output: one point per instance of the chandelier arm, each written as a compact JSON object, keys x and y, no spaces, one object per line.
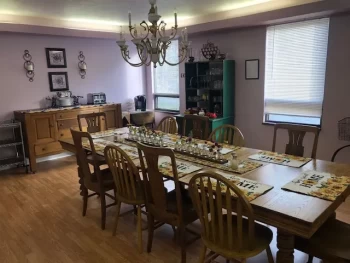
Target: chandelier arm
{"x":162,"y":25}
{"x":183,"y":57}
{"x":131,"y":28}
{"x":146,"y":28}
{"x":126,"y":56}
{"x":145,"y":57}
{"x":173,"y":33}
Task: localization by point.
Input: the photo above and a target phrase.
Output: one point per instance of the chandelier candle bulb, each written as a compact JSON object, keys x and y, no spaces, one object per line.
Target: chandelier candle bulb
{"x":175,"y":14}
{"x":129,"y":19}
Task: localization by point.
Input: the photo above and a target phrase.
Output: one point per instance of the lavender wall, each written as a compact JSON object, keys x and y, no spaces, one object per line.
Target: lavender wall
{"x":250,"y":44}
{"x":107,"y":72}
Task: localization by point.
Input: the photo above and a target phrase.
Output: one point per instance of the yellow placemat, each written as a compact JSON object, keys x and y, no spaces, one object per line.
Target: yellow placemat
{"x":251,"y":189}
{"x":279,"y":158}
{"x":322,"y":185}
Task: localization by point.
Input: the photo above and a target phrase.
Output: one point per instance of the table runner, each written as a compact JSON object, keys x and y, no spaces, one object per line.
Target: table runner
{"x":280,"y":158}
{"x":322,"y":185}
{"x":251,"y":189}
{"x":100,"y":145}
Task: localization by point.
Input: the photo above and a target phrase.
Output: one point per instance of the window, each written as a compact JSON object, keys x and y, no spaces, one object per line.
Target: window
{"x":295,"y":71}
{"x":166,"y":82}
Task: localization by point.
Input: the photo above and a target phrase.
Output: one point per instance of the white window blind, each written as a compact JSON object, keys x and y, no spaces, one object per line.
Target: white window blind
{"x":166,"y":81}
{"x":295,"y":69}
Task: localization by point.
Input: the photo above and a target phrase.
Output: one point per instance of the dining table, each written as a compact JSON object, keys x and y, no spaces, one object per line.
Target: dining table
{"x":293,"y":214}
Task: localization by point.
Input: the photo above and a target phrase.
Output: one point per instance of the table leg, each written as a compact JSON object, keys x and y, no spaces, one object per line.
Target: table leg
{"x":285,"y":245}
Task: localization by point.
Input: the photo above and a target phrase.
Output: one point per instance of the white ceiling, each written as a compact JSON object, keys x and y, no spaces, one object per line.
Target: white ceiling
{"x":108,"y":15}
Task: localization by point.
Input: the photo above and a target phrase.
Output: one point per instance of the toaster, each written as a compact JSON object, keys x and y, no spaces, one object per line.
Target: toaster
{"x":96,"y":98}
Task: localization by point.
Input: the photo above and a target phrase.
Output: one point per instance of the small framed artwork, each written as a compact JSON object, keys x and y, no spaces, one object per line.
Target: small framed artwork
{"x":58,"y":81}
{"x":252,"y":69}
{"x":56,"y":58}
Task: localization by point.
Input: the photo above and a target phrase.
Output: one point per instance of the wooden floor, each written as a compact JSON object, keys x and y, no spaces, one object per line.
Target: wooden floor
{"x":41,"y":222}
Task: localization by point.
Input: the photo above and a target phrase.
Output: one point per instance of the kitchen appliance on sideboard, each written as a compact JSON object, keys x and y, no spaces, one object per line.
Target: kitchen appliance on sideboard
{"x":64,"y":99}
{"x":140,"y":103}
{"x":96,"y":98}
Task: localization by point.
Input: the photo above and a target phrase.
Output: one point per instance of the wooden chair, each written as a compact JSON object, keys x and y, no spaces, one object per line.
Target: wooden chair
{"x":168,"y":125}
{"x":174,"y":208}
{"x":231,"y":236}
{"x":129,"y":187}
{"x":228,"y":134}
{"x":94,"y":121}
{"x":296,"y":137}
{"x":331,"y":243}
{"x":99,"y":181}
{"x":200,"y":126}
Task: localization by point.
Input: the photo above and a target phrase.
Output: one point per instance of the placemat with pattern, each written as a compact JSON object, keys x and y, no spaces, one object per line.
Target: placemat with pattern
{"x":183,"y":168}
{"x":250,"y":188}
{"x":322,"y":185}
{"x":243,"y":167}
{"x":280,"y":158}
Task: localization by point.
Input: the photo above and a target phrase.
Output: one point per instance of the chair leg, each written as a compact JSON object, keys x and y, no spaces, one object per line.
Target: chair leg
{"x":311,"y":258}
{"x":116,"y":218}
{"x":174,"y":230}
{"x":182,"y":238}
{"x":103,"y":210}
{"x":202,"y":255}
{"x":150,"y":220}
{"x":269,"y":255}
{"x":139,"y":228}
{"x":85,"y":200}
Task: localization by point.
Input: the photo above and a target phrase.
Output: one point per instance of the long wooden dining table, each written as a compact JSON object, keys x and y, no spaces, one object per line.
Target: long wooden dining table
{"x":293,"y":214}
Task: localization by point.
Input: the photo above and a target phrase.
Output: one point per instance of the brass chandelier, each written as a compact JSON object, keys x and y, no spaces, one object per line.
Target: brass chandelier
{"x":152,"y":41}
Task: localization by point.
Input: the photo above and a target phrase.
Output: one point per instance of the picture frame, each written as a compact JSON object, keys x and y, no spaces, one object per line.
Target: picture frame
{"x":56,"y":58}
{"x":58,"y":81}
{"x":252,"y":68}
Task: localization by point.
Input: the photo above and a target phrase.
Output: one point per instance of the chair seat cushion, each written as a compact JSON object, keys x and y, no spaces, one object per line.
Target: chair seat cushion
{"x":263,"y":237}
{"x":188,"y":211}
{"x":331,"y":242}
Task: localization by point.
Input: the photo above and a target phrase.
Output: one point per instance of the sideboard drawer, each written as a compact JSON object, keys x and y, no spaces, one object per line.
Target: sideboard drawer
{"x":64,"y":134}
{"x":44,"y":149}
{"x":67,"y":124}
{"x":73,"y":114}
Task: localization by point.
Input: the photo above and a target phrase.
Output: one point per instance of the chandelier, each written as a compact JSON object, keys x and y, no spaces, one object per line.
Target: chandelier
{"x":152,"y":42}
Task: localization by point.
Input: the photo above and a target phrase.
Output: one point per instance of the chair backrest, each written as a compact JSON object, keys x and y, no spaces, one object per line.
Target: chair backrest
{"x":296,"y":137}
{"x":94,"y":121}
{"x":200,"y":126}
{"x":168,"y":124}
{"x":156,"y":201}
{"x":228,"y":134}
{"x":211,"y":193}
{"x":89,"y":178}
{"x":125,"y":174}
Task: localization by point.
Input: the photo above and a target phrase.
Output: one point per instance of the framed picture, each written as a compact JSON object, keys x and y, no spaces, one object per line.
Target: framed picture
{"x":58,"y":81}
{"x":252,"y":69}
{"x":56,"y":58}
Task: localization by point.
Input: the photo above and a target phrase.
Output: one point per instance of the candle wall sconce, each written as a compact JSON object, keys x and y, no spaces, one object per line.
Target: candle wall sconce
{"x":82,"y":65}
{"x":28,"y":65}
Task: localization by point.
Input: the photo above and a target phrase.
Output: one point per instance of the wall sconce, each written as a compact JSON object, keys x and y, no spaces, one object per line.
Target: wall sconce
{"x":28,"y":65}
{"x":82,"y":65}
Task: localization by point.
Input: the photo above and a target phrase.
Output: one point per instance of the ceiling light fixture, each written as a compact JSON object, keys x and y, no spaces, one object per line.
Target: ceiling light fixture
{"x":152,"y":46}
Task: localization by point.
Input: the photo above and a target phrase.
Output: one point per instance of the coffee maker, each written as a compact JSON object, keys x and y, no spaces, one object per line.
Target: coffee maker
{"x":140,"y":103}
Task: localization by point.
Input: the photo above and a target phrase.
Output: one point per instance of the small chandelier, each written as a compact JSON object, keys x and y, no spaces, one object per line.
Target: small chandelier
{"x":152,"y":46}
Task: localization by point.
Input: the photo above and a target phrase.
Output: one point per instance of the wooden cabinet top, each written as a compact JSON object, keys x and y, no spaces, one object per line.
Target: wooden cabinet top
{"x":53,"y":110}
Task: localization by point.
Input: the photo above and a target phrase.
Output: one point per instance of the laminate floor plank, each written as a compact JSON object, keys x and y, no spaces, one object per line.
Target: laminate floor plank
{"x":41,"y":222}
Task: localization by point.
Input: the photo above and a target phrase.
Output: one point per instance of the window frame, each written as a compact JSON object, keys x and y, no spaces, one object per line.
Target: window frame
{"x":272,"y":122}
{"x":165,"y":95}
{"x":266,"y":119}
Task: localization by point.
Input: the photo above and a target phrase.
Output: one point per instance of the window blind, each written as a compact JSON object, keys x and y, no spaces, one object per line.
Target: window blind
{"x":295,"y":69}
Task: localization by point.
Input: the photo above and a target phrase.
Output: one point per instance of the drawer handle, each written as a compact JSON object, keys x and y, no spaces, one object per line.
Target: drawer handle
{"x":61,"y":124}
{"x":43,"y":149}
{"x":60,"y":116}
{"x":62,"y":134}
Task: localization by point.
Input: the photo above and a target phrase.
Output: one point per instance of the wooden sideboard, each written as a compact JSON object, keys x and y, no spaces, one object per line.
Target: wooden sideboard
{"x":43,"y":128}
